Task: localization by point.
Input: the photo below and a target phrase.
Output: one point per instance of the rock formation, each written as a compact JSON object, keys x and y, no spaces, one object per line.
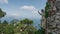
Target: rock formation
{"x":53,"y":20}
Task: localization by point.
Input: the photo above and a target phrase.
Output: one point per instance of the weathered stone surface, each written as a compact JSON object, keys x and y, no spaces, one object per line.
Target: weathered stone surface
{"x":53,"y":22}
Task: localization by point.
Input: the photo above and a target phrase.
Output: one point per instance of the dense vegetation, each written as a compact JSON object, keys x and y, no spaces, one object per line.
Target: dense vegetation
{"x":24,"y":26}
{"x":46,"y":9}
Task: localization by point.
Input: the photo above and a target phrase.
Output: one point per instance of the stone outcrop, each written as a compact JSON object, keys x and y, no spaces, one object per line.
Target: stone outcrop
{"x":53,"y":21}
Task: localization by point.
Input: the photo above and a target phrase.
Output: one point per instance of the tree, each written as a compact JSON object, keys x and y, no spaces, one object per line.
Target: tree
{"x":27,"y":21}
{"x":29,"y":28}
{"x":5,"y":23}
{"x":1,"y":28}
{"x":8,"y":29}
{"x":2,"y":14}
{"x":40,"y":31}
{"x":46,"y":9}
{"x":25,"y":27}
{"x":14,"y":21}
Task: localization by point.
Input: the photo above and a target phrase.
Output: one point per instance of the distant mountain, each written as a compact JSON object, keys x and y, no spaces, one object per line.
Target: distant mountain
{"x":36,"y":20}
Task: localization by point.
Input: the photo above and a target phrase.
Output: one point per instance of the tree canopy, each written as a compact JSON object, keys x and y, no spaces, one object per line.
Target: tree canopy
{"x":2,"y":14}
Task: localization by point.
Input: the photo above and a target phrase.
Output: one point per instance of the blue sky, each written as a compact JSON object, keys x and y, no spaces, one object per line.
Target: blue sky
{"x":22,"y":8}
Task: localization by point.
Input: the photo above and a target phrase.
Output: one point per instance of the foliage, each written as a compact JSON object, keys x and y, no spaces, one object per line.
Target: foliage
{"x":40,"y":31}
{"x":5,"y":28}
{"x":47,"y":6}
{"x":26,"y":26}
{"x":5,"y":23}
{"x":46,"y":9}
{"x":8,"y":30}
{"x":26,"y":21}
{"x":2,"y":14}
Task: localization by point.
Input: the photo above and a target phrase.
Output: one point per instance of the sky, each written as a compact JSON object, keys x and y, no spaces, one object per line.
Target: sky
{"x":22,"y":8}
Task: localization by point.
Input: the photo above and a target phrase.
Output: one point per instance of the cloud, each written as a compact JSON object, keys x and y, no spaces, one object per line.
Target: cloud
{"x":33,"y":9}
{"x":4,"y":1}
{"x":15,"y":14}
{"x":28,"y":7}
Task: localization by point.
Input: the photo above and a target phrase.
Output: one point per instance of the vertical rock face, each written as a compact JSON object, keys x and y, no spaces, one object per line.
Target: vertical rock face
{"x":53,"y":22}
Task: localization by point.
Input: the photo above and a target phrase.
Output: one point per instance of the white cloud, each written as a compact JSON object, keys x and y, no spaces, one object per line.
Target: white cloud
{"x":28,"y":7}
{"x":15,"y":14}
{"x":34,"y":10}
{"x":4,"y":1}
